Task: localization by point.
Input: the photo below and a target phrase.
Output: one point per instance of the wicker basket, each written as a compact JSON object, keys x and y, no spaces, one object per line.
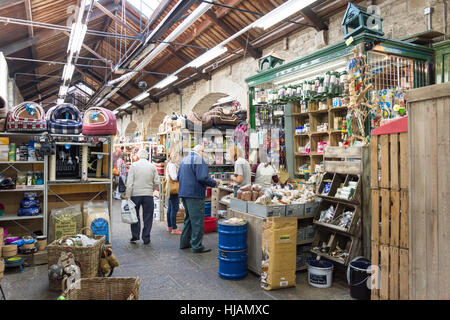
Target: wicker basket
{"x":105,"y":289}
{"x":88,"y":257}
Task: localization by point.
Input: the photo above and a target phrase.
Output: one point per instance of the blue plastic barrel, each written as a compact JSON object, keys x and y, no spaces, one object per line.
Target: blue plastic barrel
{"x":208,"y":209}
{"x":232,"y":264}
{"x":232,"y":237}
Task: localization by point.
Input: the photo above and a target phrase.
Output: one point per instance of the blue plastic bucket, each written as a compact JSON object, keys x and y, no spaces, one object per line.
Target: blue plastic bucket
{"x":232,"y":237}
{"x":232,"y":264}
{"x":208,"y":209}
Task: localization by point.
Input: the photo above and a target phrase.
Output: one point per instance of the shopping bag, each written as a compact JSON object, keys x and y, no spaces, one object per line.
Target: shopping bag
{"x":129,"y":215}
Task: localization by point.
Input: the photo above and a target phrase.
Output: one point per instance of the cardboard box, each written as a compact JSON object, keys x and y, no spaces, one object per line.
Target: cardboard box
{"x":4,"y":141}
{"x":279,"y":251}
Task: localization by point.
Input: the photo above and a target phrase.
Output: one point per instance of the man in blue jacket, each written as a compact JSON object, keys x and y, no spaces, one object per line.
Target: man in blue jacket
{"x":193,"y":179}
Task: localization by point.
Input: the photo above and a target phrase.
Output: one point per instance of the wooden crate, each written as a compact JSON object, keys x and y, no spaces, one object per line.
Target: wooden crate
{"x":389,"y":161}
{"x":390,"y":217}
{"x":345,"y":160}
{"x":393,"y":273}
{"x":429,"y":155}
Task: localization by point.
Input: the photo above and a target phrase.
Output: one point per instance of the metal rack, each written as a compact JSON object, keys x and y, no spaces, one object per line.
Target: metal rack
{"x":107,"y":182}
{"x":12,"y":164}
{"x":47,"y":185}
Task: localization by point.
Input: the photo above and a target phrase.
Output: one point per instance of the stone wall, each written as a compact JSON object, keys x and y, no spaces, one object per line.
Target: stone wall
{"x":401,"y":18}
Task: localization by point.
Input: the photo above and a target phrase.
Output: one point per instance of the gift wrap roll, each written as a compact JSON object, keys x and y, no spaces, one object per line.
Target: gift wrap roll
{"x":52,"y":168}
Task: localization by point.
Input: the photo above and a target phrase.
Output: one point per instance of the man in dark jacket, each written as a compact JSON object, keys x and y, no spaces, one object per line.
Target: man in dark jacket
{"x":193,"y":179}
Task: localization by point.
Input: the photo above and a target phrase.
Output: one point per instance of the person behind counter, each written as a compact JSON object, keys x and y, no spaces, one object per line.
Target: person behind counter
{"x":193,"y":178}
{"x":242,"y":170}
{"x":263,"y":174}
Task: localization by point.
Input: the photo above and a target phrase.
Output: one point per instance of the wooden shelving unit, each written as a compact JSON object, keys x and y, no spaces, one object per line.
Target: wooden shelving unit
{"x":332,"y":235}
{"x":315,"y":117}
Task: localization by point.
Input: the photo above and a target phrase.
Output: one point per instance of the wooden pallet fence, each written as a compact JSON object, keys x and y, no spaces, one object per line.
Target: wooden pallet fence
{"x":389,"y":171}
{"x":392,"y":276}
{"x":389,"y":161}
{"x":390,"y":217}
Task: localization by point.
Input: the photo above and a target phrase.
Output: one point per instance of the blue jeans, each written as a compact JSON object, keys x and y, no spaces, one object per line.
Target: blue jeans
{"x":174,"y":205}
{"x":147,"y":215}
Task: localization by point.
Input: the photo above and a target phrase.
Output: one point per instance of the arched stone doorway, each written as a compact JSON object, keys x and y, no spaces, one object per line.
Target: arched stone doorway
{"x":155,"y":121}
{"x":207,"y":101}
{"x":131,"y":128}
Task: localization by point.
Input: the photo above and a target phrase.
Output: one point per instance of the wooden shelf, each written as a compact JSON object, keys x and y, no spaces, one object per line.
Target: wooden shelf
{"x":331,"y":226}
{"x":315,"y":154}
{"x":319,"y":133}
{"x":301,"y":154}
{"x":305,"y":267}
{"x":308,"y":241}
{"x":327,"y":256}
{"x":339,"y":108}
{"x":14,"y":216}
{"x":301,"y":114}
{"x":318,"y":111}
{"x":22,"y":189}
{"x":21,"y":162}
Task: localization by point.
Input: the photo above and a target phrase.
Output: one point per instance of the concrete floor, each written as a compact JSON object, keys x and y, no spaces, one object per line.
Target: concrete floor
{"x":166,"y":272}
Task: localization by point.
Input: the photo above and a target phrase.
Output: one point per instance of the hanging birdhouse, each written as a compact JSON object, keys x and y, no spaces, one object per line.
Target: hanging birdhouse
{"x":359,"y":20}
{"x":269,"y":61}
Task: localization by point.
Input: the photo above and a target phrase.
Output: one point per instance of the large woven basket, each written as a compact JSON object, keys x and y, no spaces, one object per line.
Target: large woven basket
{"x":105,"y":289}
{"x":88,"y":257}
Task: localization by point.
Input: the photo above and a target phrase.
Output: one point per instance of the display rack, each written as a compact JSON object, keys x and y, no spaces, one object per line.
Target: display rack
{"x":11,"y":196}
{"x":346,"y":165}
{"x":393,"y":63}
{"x":67,"y":191}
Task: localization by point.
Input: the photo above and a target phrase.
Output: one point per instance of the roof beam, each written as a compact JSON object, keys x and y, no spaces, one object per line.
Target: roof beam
{"x":8,"y":3}
{"x":19,"y":45}
{"x":255,"y":53}
{"x":313,"y":19}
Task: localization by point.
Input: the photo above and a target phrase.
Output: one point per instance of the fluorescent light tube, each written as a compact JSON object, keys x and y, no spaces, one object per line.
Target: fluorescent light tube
{"x":68,"y":71}
{"x":142,"y":96}
{"x":63,"y":90}
{"x":81,"y":39}
{"x":78,"y":37}
{"x":124,"y":106}
{"x":166,"y":82}
{"x":282,"y":12}
{"x":208,"y":56}
{"x":71,"y":36}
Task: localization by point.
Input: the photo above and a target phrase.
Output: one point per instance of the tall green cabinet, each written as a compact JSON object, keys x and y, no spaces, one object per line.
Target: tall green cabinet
{"x":442,"y":61}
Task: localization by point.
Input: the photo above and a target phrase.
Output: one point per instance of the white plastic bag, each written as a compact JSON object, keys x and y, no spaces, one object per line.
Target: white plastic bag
{"x":129,"y":212}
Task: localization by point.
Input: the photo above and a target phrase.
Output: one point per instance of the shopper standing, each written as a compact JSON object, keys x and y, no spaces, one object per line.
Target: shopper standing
{"x":174,"y":201}
{"x":242,"y":170}
{"x":122,"y":168}
{"x":193,"y":179}
{"x":141,"y":183}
